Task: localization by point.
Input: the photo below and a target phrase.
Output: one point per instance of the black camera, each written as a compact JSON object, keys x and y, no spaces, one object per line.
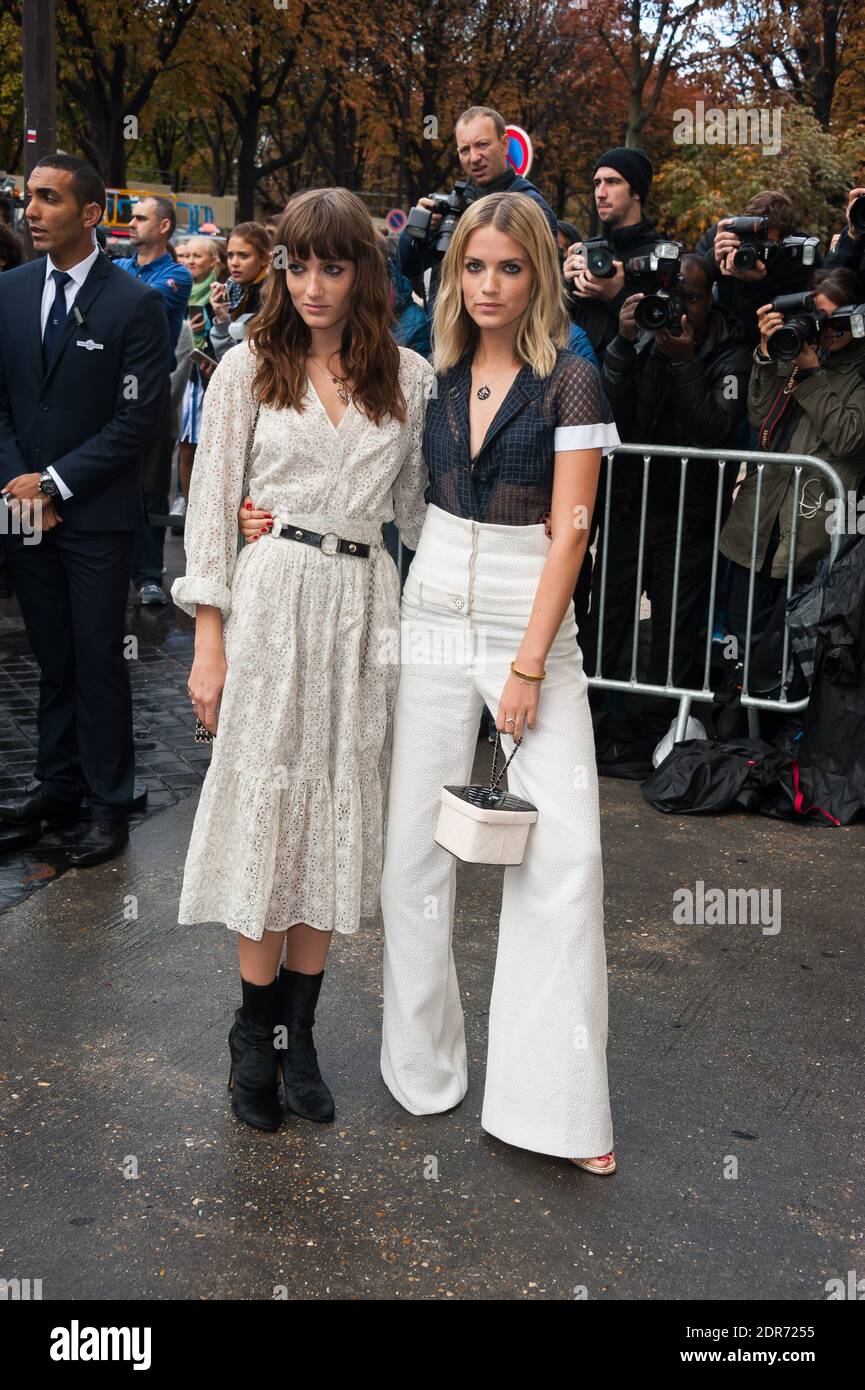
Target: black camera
{"x":451,"y":206}
{"x":658,"y":276}
{"x":802,"y":324}
{"x":857,"y":213}
{"x":599,"y":256}
{"x":756,"y":245}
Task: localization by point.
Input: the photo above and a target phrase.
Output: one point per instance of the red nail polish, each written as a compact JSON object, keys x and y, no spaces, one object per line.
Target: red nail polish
{"x":249,"y":506}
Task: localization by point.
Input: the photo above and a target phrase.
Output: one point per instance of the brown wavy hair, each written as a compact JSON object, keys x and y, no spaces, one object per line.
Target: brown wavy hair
{"x":333,"y":224}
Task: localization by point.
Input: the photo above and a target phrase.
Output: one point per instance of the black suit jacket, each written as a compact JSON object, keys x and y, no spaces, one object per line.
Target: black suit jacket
{"x":96,"y":409}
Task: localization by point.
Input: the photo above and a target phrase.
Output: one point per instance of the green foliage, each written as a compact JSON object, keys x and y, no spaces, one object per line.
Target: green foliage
{"x":10,"y":92}
{"x":700,"y":183}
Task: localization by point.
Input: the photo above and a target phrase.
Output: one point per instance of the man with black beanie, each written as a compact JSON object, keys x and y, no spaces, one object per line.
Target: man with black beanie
{"x":621,"y":180}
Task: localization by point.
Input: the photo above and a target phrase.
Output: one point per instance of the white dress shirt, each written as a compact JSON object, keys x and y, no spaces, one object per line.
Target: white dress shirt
{"x":79,"y":274}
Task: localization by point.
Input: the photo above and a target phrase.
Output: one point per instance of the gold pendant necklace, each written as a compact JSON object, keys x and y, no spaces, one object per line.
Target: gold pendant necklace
{"x":339,"y":381}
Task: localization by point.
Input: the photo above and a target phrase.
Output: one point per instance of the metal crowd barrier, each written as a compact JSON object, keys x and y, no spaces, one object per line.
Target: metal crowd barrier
{"x":685,"y":695}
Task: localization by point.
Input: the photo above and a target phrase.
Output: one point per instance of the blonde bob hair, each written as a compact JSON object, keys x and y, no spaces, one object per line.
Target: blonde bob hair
{"x":545,"y":324}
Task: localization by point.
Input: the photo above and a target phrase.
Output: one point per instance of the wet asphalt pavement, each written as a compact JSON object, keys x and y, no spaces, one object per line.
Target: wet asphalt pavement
{"x":735,"y":1070}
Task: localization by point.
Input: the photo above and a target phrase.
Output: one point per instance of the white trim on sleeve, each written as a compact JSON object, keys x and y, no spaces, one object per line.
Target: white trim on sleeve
{"x":599,"y":436}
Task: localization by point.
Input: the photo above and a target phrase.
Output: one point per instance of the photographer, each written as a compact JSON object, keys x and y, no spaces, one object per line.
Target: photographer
{"x":813,"y":403}
{"x":482,"y":149}
{"x":849,"y":251}
{"x":742,"y":291}
{"x":684,"y":384}
{"x":621,"y":180}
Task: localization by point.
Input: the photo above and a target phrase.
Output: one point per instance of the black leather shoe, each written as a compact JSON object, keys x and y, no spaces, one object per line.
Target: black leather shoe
{"x":39,"y":805}
{"x":305,"y":1090}
{"x":101,"y":840}
{"x":19,"y":836}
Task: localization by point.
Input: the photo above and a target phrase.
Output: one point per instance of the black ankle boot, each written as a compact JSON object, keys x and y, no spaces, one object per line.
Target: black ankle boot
{"x":305,"y":1090}
{"x":254,"y":1076}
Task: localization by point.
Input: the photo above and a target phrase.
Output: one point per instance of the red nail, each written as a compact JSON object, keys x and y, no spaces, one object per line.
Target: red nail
{"x":248,"y":506}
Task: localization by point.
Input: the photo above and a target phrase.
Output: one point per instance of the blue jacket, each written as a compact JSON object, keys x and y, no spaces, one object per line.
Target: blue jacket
{"x":581,"y":344}
{"x":101,"y":401}
{"x":174,"y":282}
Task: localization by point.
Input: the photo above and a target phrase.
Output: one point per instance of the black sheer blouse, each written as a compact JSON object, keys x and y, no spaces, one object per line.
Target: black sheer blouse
{"x":509,"y":482}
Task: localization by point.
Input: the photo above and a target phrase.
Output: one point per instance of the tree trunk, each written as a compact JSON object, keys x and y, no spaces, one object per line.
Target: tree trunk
{"x":247,"y":164}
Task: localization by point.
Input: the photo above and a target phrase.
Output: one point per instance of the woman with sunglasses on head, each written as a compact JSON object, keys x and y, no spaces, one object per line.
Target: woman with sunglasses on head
{"x":513,"y":444}
{"x":324,"y":414}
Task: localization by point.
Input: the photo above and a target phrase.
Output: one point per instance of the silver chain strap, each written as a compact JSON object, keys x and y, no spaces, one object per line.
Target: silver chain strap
{"x":494,"y":781}
{"x":249,"y":443}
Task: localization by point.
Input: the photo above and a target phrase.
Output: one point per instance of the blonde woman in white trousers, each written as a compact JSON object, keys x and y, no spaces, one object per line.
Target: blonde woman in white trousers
{"x":513,"y":442}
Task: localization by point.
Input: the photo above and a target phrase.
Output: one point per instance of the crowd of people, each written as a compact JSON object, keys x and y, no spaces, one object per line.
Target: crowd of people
{"x":464,"y":384}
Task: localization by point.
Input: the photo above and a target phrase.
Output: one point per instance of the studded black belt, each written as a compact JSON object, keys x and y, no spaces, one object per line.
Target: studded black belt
{"x":327,"y":541}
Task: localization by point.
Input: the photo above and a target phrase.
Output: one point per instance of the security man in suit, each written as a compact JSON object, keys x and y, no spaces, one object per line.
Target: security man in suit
{"x":83,"y":372}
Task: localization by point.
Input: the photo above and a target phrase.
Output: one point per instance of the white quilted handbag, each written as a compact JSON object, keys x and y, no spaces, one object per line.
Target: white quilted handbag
{"x":484,"y":825}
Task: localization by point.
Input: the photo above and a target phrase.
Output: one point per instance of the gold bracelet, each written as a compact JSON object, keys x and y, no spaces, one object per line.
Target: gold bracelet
{"x":524,"y":676}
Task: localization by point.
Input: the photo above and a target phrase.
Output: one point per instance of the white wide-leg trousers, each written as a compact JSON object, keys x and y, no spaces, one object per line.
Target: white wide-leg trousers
{"x":465,"y":608}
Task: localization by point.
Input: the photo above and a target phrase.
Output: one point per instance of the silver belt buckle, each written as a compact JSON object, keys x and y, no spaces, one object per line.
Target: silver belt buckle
{"x":326,"y":549}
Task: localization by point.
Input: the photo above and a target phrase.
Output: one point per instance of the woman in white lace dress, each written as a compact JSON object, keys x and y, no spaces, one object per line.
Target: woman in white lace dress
{"x":296,"y":641}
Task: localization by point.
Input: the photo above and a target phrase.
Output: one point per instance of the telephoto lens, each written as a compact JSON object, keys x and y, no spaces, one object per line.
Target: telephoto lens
{"x":752,"y":233}
{"x":857,"y":214}
{"x":801,"y":325}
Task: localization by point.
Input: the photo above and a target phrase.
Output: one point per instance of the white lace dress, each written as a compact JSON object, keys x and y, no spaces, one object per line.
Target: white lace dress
{"x":290,"y":822}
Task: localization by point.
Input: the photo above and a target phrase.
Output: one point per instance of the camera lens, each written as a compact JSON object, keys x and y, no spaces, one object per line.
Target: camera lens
{"x":857,"y":213}
{"x":786,"y":342}
{"x":652,"y":312}
{"x":745,"y":258}
{"x":446,"y":232}
{"x":599,"y":261}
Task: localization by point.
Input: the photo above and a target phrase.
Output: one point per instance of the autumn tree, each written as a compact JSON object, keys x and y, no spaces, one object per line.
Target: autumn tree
{"x":110,"y":59}
{"x":644,"y":42}
{"x":800,"y":48}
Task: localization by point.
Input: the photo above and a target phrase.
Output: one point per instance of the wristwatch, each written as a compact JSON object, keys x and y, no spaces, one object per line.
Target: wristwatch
{"x":47,"y":485}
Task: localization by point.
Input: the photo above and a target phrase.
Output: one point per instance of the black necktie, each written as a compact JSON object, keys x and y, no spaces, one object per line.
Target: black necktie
{"x":56,"y":314}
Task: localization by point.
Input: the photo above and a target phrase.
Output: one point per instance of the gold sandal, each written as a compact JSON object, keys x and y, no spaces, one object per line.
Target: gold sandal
{"x":605,"y":1163}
